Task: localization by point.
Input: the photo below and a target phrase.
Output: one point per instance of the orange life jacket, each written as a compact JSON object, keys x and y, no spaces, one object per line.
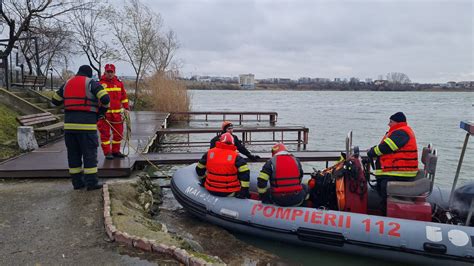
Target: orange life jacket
{"x":286,"y":174}
{"x":404,"y":161}
{"x":78,"y":96}
{"x":221,"y":169}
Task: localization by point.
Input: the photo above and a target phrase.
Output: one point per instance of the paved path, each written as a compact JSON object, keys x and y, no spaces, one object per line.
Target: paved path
{"x":46,"y":222}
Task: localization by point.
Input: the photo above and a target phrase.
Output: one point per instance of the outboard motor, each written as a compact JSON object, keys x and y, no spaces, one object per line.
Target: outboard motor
{"x":463,"y":202}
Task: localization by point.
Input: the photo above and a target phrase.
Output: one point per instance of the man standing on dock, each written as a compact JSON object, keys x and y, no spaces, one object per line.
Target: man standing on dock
{"x":228,"y":127}
{"x":81,"y":96}
{"x":397,"y":154}
{"x":113,"y":120}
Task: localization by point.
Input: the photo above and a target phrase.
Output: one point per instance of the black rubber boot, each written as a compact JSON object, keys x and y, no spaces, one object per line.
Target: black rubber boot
{"x":109,"y":156}
{"x":77,"y":181}
{"x":92,"y":182}
{"x":119,"y":155}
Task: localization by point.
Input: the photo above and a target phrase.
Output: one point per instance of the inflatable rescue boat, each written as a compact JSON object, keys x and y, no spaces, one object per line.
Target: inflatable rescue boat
{"x":417,"y":228}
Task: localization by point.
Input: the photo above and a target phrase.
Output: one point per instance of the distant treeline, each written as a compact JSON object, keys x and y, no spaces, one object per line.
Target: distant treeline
{"x":326,"y":86}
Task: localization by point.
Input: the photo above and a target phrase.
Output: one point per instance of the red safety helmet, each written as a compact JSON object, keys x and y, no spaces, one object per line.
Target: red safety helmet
{"x":110,"y":67}
{"x":227,"y":138}
{"x":278,"y":148}
{"x":225,"y":125}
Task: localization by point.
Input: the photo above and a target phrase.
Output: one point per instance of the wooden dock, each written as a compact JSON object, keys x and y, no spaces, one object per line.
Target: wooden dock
{"x":233,"y":116}
{"x":277,"y":133}
{"x":51,"y":160}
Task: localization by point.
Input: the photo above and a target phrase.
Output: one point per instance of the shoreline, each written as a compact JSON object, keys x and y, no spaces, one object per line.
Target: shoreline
{"x":367,"y":90}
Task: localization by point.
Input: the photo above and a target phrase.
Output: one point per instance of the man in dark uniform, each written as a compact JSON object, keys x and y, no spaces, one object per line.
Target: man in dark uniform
{"x":227,"y":127}
{"x":223,"y":172}
{"x":85,"y":100}
{"x":284,"y":171}
{"x":397,"y":154}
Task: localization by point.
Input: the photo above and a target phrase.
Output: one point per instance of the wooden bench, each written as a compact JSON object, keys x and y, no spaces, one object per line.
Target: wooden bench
{"x":46,"y":125}
{"x":32,"y":82}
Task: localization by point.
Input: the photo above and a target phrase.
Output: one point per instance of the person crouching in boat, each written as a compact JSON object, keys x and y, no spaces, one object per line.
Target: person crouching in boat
{"x":285,"y":173}
{"x":228,"y":127}
{"x":397,"y":154}
{"x":222,"y":171}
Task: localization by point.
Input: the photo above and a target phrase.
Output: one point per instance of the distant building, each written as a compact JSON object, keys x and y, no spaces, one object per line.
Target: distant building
{"x":337,"y":80}
{"x":247,"y":81}
{"x":380,"y":82}
{"x":304,"y":80}
{"x":451,"y":84}
{"x":320,"y":80}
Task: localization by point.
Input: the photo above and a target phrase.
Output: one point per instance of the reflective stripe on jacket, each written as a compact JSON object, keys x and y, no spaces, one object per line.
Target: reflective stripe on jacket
{"x":78,"y":96}
{"x":286,"y":174}
{"x":404,"y":160}
{"x":221,"y":169}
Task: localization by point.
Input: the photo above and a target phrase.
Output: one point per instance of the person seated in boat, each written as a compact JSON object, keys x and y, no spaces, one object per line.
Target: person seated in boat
{"x":228,"y":127}
{"x":222,"y":171}
{"x":285,"y":174}
{"x":396,"y":155}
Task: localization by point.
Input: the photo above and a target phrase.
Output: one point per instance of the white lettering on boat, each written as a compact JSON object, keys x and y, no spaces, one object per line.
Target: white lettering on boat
{"x":202,"y":196}
{"x":434,"y":233}
{"x":458,"y":237}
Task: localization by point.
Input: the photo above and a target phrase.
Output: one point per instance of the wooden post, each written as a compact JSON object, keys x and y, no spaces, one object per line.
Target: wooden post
{"x":272,"y":119}
{"x":299,"y":140}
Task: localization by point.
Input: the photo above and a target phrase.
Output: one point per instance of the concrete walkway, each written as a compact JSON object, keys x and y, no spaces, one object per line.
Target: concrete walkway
{"x":46,"y":222}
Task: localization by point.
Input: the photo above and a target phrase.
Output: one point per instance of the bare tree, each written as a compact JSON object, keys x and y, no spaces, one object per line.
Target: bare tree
{"x":398,"y":78}
{"x":18,"y":16}
{"x":162,"y":51}
{"x":136,"y":32}
{"x":54,"y":43}
{"x":91,"y":35}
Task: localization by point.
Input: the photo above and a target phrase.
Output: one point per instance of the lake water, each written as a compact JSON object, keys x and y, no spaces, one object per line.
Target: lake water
{"x":330,"y":115}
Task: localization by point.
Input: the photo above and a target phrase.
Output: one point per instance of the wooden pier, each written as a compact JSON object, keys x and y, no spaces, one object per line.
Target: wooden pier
{"x":233,"y":116}
{"x":277,"y":132}
{"x":51,"y":160}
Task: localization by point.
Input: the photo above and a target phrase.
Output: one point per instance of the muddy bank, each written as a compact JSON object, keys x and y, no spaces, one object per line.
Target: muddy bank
{"x":174,"y":226}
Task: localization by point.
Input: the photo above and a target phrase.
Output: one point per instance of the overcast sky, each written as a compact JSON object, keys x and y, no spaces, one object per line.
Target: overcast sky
{"x":430,"y":41}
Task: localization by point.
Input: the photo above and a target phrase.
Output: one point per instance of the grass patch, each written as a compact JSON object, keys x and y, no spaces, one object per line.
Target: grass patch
{"x":8,"y":139}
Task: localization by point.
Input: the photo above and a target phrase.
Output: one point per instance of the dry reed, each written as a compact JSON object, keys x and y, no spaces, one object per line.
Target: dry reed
{"x":165,"y":94}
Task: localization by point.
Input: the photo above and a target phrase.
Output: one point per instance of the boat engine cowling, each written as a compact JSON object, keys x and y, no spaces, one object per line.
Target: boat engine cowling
{"x":462,"y":199}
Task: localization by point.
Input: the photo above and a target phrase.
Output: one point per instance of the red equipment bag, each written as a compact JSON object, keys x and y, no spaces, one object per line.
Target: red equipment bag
{"x":355,"y":187}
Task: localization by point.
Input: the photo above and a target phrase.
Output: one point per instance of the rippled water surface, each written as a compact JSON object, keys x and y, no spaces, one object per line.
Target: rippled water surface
{"x":329,"y":115}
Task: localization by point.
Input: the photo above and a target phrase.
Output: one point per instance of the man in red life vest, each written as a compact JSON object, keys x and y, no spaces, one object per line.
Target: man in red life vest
{"x":397,"y":154}
{"x":222,"y":171}
{"x":285,"y":173}
{"x":81,"y":96}
{"x":118,"y":100}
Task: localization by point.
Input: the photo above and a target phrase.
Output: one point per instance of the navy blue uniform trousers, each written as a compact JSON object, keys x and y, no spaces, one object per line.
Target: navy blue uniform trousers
{"x":82,"y":157}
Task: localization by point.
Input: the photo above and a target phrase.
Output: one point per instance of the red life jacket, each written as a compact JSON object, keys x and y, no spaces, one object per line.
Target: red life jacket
{"x":404,"y":161}
{"x":221,"y":169}
{"x":286,"y":174}
{"x":78,"y":96}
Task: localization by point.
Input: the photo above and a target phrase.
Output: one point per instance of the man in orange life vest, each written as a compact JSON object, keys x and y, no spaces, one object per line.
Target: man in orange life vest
{"x":285,"y":173}
{"x":81,"y":96}
{"x":397,"y":154}
{"x":223,"y":171}
{"x":118,"y":99}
